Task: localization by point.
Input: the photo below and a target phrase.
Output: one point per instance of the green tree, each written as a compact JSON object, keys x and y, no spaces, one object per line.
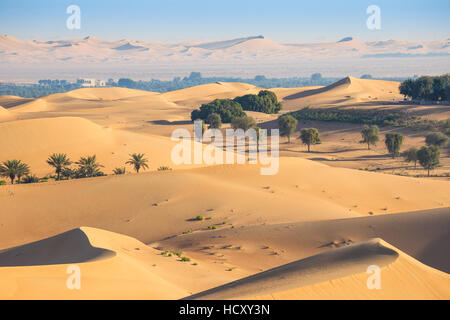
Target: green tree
{"x":59,"y":161}
{"x":370,"y":135}
{"x":24,"y":170}
{"x":227,"y":110}
{"x":394,"y":143}
{"x":214,"y":121}
{"x":411,"y":156}
{"x":13,"y":168}
{"x":245,"y":123}
{"x":429,"y":157}
{"x":310,"y":137}
{"x":437,"y":139}
{"x":138,"y":161}
{"x":266,"y":101}
{"x":88,"y":167}
{"x":287,"y":125}
{"x":407,"y":88}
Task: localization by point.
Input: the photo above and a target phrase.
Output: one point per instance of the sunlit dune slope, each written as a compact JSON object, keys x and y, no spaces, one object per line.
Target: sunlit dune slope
{"x":339,"y":274}
{"x":153,"y":206}
{"x":32,"y":141}
{"x":349,"y":90}
{"x":111,"y":267}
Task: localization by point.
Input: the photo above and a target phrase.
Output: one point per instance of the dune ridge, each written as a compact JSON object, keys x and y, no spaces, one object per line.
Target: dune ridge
{"x":320,"y":268}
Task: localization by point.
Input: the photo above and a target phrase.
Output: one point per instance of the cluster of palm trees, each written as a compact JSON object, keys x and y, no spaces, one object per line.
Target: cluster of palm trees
{"x":86,"y":167}
{"x":13,"y":169}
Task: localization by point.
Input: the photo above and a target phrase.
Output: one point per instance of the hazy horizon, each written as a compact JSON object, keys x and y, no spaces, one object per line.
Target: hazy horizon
{"x":286,"y":21}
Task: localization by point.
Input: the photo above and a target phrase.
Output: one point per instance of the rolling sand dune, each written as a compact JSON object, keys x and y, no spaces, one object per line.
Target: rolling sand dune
{"x":347,"y":90}
{"x":421,"y":234}
{"x":308,"y":232}
{"x":3,"y":112}
{"x":153,"y":206}
{"x":340,"y":273}
{"x":34,"y":140}
{"x":11,"y":101}
{"x":208,"y":92}
{"x":108,"y":266}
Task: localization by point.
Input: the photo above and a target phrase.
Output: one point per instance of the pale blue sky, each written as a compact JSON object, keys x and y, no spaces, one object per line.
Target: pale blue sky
{"x":173,"y":21}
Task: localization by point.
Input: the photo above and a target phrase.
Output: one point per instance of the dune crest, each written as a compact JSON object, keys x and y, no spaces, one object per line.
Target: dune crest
{"x":67,"y":248}
{"x":326,"y":268}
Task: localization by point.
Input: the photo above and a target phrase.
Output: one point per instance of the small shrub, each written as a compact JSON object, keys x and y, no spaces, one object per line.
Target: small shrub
{"x":177,"y":253}
{"x":119,"y":171}
{"x":185,"y":259}
{"x":164,"y":168}
{"x":30,"y":179}
{"x":2,"y":182}
{"x":200,"y":218}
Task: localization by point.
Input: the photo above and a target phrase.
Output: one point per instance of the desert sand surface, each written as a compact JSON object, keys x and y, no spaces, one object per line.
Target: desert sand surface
{"x":308,"y":232}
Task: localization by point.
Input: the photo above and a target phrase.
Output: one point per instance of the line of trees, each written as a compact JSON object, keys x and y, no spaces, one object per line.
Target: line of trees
{"x":428,"y":156}
{"x":19,"y":172}
{"x":427,"y":88}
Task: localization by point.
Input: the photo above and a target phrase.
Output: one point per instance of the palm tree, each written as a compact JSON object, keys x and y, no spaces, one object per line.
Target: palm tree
{"x":23,"y":170}
{"x":88,"y":166}
{"x":59,"y":161}
{"x":138,"y":161}
{"x":13,"y":169}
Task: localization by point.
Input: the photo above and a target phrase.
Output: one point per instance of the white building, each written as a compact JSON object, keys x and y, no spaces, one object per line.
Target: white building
{"x":91,"y":82}
{"x":86,"y":82}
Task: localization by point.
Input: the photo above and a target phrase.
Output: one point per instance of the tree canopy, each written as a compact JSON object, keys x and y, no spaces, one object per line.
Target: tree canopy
{"x":266,"y":101}
{"x":287,"y":125}
{"x":370,"y":135}
{"x":214,"y":121}
{"x":394,"y":143}
{"x":429,"y":157}
{"x":227,"y":110}
{"x":310,"y":136}
{"x":437,"y":139}
{"x":427,"y":88}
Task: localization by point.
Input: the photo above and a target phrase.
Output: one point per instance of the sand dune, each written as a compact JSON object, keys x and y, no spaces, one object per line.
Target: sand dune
{"x":113,"y":266}
{"x":11,"y":101}
{"x":308,"y":229}
{"x":153,"y":206}
{"x":340,"y":273}
{"x":34,"y":140}
{"x":95,"y":58}
{"x":346,"y":91}
{"x":109,"y":266}
{"x":208,"y":92}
